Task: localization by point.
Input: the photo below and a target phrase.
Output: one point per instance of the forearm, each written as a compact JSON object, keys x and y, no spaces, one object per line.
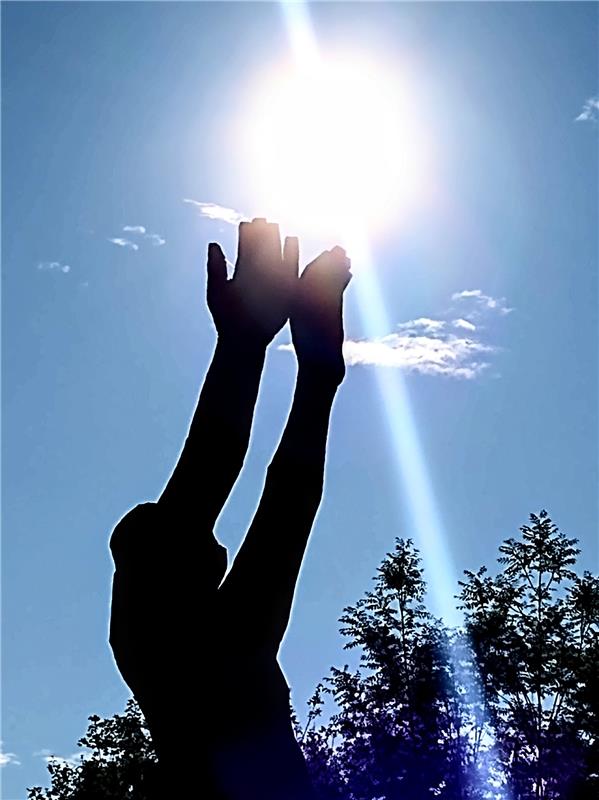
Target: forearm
{"x":219,"y":434}
{"x":267,"y":566}
{"x":303,"y":445}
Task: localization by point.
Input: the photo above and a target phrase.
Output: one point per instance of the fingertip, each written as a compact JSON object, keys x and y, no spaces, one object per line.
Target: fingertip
{"x":291,"y":253}
{"x":291,"y":245}
{"x":217,"y":264}
{"x":215,"y":251}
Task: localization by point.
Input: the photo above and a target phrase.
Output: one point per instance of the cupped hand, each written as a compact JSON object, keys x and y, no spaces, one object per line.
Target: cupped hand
{"x":252,"y":306}
{"x":317,"y":315}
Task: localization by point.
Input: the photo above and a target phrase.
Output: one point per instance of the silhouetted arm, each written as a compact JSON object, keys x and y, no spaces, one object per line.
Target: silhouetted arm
{"x":248,"y":311}
{"x":218,"y":438}
{"x":266,"y":568}
{"x":265,"y":571}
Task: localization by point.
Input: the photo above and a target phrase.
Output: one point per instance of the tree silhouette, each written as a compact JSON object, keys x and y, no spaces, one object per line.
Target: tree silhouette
{"x":534,"y":629}
{"x":119,"y":762}
{"x":505,"y":707}
{"x":407,"y":724}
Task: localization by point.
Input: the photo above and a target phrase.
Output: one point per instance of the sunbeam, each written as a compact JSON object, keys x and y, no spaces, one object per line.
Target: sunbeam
{"x":409,"y":458}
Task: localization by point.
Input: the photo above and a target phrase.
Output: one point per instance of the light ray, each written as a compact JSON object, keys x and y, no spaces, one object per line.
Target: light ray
{"x":409,"y":459}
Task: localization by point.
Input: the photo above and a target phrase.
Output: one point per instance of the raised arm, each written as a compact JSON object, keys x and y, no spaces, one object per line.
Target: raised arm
{"x":267,"y":566}
{"x":248,"y":311}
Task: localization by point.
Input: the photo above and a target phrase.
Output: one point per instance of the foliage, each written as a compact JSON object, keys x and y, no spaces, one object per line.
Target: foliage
{"x":506,"y":707}
{"x":406,"y":723}
{"x":534,"y":629}
{"x":120,"y":764}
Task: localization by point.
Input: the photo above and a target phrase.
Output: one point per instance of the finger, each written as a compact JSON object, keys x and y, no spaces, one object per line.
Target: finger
{"x":272,"y":243}
{"x":338,"y":251}
{"x":339,"y":256}
{"x":266,"y":242}
{"x":216,"y":267}
{"x":243,"y":241}
{"x":340,"y":263}
{"x":291,"y":255}
{"x":251,"y":246}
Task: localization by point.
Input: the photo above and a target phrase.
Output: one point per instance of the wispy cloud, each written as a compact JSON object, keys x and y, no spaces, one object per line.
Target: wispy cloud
{"x":53,"y":266}
{"x":445,"y":354}
{"x":423,"y":324}
{"x":590,"y":111}
{"x":463,"y":324}
{"x":474,"y":302}
{"x":214,"y":211}
{"x":428,"y":346}
{"x":155,"y":239}
{"x":8,"y":758}
{"x":140,"y":235}
{"x":124,"y":243}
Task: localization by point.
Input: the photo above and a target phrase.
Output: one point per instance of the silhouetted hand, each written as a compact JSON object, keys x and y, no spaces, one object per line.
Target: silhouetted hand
{"x":255,"y":304}
{"x":317,"y":315}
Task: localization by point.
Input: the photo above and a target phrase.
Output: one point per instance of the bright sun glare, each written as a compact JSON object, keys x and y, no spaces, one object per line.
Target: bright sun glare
{"x":334,"y":144}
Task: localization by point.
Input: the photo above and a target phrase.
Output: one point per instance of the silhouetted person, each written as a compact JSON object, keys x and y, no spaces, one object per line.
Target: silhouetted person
{"x":198,"y":652}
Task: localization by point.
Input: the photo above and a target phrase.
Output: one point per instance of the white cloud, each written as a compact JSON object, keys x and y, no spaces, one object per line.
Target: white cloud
{"x":56,"y":266}
{"x":463,"y":324}
{"x":431,"y":346}
{"x":450,"y":355}
{"x":134,"y":228}
{"x":429,"y":355}
{"x":423,"y":324}
{"x":475,"y":301}
{"x":214,"y":211}
{"x":590,"y":111}
{"x":155,"y":239}
{"x":125,"y":243}
{"x":8,"y":758}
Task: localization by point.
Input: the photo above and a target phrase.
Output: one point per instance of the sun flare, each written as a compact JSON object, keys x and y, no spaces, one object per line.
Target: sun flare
{"x":333,"y":145}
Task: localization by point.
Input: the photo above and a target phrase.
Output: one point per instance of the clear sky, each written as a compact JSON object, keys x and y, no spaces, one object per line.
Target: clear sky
{"x":113,"y":114}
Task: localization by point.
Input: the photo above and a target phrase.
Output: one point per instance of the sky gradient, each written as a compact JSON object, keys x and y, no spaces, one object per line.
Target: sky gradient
{"x":115,"y":115}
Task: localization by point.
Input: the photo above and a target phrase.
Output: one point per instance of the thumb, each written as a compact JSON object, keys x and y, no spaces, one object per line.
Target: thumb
{"x":216,"y":267}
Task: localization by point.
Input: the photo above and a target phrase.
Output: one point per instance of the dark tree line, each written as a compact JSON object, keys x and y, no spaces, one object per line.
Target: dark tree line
{"x":507,"y":707}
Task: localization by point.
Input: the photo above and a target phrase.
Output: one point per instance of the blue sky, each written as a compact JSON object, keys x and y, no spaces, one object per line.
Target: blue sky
{"x":113,"y":114}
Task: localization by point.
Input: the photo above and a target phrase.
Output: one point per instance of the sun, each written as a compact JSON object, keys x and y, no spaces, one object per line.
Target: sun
{"x":333,"y":144}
